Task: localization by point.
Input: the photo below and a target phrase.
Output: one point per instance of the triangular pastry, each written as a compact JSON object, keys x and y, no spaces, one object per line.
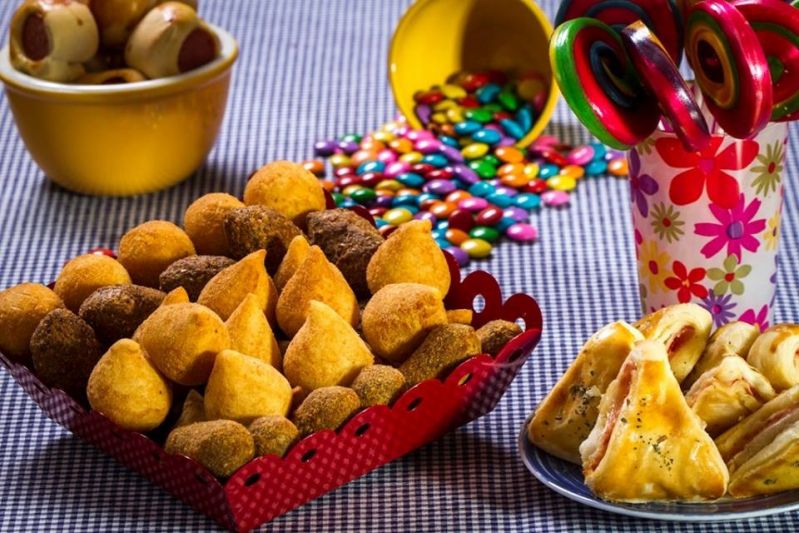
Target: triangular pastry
{"x":774,"y":353}
{"x":733,"y":338}
{"x":647,"y":444}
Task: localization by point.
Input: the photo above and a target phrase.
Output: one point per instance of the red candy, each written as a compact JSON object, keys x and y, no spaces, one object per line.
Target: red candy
{"x":461,"y":219}
{"x":489,"y":216}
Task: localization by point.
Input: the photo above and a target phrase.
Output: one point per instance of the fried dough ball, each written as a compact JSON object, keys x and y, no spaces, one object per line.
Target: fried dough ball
{"x":85,"y":274}
{"x":205,"y":222}
{"x":297,"y":252}
{"x":221,"y":446}
{"x":325,"y":351}
{"x":326,"y":408}
{"x":409,"y":255}
{"x":496,"y":334}
{"x":379,"y":385}
{"x":273,"y":435}
{"x":398,"y":318}
{"x":183,"y":340}
{"x":243,"y":388}
{"x":115,"y":312}
{"x":193,"y":409}
{"x":256,"y":227}
{"x":176,"y":296}
{"x":444,"y":348}
{"x":126,"y":388}
{"x":64,"y":351}
{"x":21,"y":309}
{"x":460,"y":316}
{"x":193,"y":273}
{"x":349,"y":241}
{"x":315,"y":279}
{"x":251,"y":334}
{"x":287,"y":188}
{"x":149,"y":248}
{"x":225,"y":291}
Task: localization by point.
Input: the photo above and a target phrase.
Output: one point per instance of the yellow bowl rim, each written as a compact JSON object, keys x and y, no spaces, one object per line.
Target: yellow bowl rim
{"x":229,"y":51}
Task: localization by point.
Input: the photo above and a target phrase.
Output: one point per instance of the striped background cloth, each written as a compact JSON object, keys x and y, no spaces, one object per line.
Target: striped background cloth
{"x":311,"y":69}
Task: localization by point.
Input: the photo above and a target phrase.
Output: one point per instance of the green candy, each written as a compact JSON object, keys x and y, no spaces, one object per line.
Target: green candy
{"x":363,"y":196}
{"x":484,"y":232}
{"x":508,"y":100}
{"x":352,"y":137}
{"x":338,"y":198}
{"x":479,"y":115}
{"x":483,"y":168}
{"x":492,"y":108}
{"x":492,"y":160}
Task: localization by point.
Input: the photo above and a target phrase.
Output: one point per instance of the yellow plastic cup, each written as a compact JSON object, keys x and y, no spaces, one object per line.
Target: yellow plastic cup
{"x":436,"y":38}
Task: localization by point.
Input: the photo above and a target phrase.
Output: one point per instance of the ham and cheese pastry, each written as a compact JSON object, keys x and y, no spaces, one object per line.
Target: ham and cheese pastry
{"x":647,"y":444}
{"x":776,"y":355}
{"x":683,"y":329}
{"x":734,"y":338}
{"x":727,"y":393}
{"x":763,"y":450}
{"x":565,"y":417}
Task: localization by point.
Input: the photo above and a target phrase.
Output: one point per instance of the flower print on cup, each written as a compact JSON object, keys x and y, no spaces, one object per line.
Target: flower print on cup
{"x":653,"y":266}
{"x":719,"y":307}
{"x":771,"y":237}
{"x":641,"y":185}
{"x":686,"y":282}
{"x":729,"y":278}
{"x":666,"y":222}
{"x":736,"y":228}
{"x":769,"y":169}
{"x":757,"y":318}
{"x":706,"y":169}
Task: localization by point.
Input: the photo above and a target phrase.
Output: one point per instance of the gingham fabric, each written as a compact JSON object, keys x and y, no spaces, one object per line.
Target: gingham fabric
{"x":311,"y":69}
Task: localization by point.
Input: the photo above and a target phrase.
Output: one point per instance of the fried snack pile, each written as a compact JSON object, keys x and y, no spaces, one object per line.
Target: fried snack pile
{"x":662,"y":410}
{"x":228,"y":361}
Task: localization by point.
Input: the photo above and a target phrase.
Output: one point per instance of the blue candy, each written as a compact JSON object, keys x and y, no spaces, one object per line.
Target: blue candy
{"x":449,"y":141}
{"x":487,"y":93}
{"x":370,"y":166}
{"x":410,"y":179}
{"x":599,"y":150}
{"x":548,"y":170}
{"x":505,"y":223}
{"x":524,"y":117}
{"x":596,"y":167}
{"x":467,"y":127}
{"x":527,"y":201}
{"x":481,"y":189}
{"x":442,"y":225}
{"x":487,"y":136}
{"x":512,"y":128}
{"x":437,"y":160}
{"x":500,"y":200}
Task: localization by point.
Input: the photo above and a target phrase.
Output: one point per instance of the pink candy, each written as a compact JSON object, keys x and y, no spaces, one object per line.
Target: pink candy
{"x":474,"y":204}
{"x":522,"y":232}
{"x":555,"y":198}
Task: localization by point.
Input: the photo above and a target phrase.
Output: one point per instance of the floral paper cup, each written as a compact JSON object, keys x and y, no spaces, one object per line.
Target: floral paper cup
{"x":707,"y":223}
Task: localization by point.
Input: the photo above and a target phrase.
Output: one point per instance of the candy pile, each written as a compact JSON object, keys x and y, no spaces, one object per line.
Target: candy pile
{"x":465,"y":173}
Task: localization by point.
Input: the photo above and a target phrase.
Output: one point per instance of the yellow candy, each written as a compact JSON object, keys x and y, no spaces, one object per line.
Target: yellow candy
{"x":475,"y":150}
{"x":383,"y":136}
{"x":618,"y":167}
{"x":562,"y":183}
{"x":349,"y":189}
{"x":455,"y":114}
{"x":445,"y":105}
{"x":339,"y":160}
{"x":572,"y":171}
{"x":410,"y":157}
{"x":453,"y":91}
{"x":397,"y":216}
{"x":531,"y":170}
{"x":390,"y":185}
{"x":476,"y":248}
{"x":439,"y":118}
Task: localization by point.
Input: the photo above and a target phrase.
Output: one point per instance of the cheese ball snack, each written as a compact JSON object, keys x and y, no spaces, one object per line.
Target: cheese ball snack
{"x":116,"y":19}
{"x":149,"y":248}
{"x":115,"y":312}
{"x":21,"y":309}
{"x":273,"y":435}
{"x":126,"y":388}
{"x":183,"y":340}
{"x":193,"y":409}
{"x":51,"y":40}
{"x":398,"y":318}
{"x":192,"y":273}
{"x":84,"y":274}
{"x":496,"y":334}
{"x":64,"y":351}
{"x":243,"y":388}
{"x":326,"y":408}
{"x":169,"y":40}
{"x":348,"y":240}
{"x":111,"y":77}
{"x":409,"y":255}
{"x":379,"y":385}
{"x":315,"y":279}
{"x":460,"y":316}
{"x":259,"y":228}
{"x":325,"y":351}
{"x":176,"y":296}
{"x":225,"y":291}
{"x":221,"y":446}
{"x":287,"y":188}
{"x":295,"y":255}
{"x":442,"y":350}
{"x":205,"y":222}
{"x":251,"y":334}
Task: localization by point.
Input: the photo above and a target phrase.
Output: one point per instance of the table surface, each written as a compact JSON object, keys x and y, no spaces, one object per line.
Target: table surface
{"x":309,"y":70}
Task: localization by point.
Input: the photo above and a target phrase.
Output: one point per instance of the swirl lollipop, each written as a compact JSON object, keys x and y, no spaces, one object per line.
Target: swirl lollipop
{"x":776,"y":25}
{"x":599,"y":83}
{"x":730,"y":67}
{"x":659,"y":75}
{"x":661,"y":16}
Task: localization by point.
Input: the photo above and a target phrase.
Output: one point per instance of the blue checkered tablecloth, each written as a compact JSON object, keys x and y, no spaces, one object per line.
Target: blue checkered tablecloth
{"x":311,"y":69}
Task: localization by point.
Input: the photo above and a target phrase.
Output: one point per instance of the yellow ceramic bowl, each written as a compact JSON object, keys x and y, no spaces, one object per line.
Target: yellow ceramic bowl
{"x":436,"y":38}
{"x":121,"y":139}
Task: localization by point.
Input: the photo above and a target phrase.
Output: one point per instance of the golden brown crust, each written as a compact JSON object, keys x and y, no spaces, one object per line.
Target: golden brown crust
{"x":221,"y":446}
{"x":84,"y":274}
{"x":149,"y":248}
{"x":22,"y":307}
{"x":443,"y":349}
{"x":287,"y":188}
{"x":326,"y":408}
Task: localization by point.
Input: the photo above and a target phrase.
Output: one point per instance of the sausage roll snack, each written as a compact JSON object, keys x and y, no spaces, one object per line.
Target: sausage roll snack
{"x":727,"y":393}
{"x":763,"y":450}
{"x":566,"y":416}
{"x":647,"y":444}
{"x":116,"y":19}
{"x":111,"y":77}
{"x":683,"y":329}
{"x":776,"y":354}
{"x":734,"y":338}
{"x":169,"y":40}
{"x":50,"y":39}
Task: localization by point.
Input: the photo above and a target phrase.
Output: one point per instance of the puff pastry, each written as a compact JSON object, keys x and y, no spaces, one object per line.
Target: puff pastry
{"x":565,"y":417}
{"x":776,"y":354}
{"x":727,"y":393}
{"x":683,"y":329}
{"x":734,"y":338}
{"x":647,"y":444}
